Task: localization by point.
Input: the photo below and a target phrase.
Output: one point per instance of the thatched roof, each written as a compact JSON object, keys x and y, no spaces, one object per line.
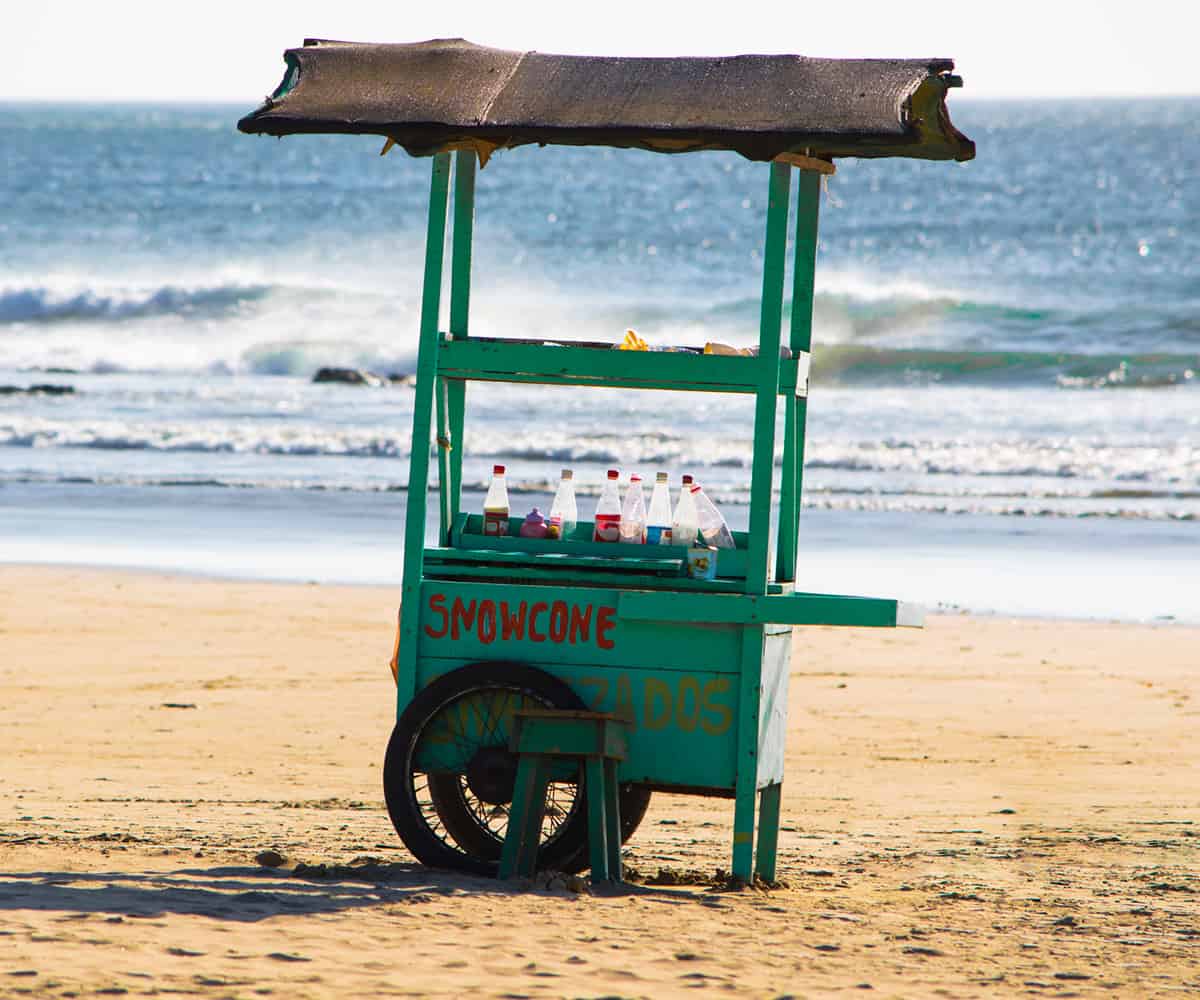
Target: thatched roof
{"x":449,"y":93}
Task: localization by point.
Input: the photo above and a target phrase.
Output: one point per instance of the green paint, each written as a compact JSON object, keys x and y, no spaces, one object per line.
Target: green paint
{"x":418,"y":466}
{"x":746,"y":758}
{"x":291,"y":76}
{"x":808,"y":203}
{"x":745,"y":609}
{"x":510,"y":361}
{"x":774,"y":260}
{"x":460,"y":301}
{"x":768,"y":832}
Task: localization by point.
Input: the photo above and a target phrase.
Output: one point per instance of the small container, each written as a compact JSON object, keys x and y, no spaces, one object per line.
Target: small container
{"x":534,"y":525}
{"x":702,"y":562}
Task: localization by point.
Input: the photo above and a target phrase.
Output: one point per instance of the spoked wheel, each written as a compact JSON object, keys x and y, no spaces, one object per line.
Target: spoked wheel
{"x":448,"y":776}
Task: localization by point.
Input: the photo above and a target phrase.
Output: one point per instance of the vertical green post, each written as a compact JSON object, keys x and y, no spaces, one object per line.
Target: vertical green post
{"x":808,"y":202}
{"x":766,"y":399}
{"x":418,"y":463}
{"x":750,"y":683}
{"x":768,"y":832}
{"x":460,"y":304}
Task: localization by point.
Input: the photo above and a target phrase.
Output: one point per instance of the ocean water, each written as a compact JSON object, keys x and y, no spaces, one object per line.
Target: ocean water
{"x":1005,"y":411}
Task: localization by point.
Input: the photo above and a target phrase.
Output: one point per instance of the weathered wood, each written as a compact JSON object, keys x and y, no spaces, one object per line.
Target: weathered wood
{"x":810,"y":163}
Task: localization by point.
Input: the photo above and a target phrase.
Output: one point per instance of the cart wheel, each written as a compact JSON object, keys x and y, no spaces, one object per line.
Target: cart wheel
{"x":448,"y":775}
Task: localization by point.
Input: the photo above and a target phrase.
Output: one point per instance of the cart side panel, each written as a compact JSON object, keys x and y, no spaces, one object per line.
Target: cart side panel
{"x":565,"y":625}
{"x":683,"y":722}
{"x":773,"y":702}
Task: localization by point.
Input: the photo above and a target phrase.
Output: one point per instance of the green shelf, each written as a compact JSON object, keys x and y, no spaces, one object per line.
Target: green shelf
{"x":548,"y":363}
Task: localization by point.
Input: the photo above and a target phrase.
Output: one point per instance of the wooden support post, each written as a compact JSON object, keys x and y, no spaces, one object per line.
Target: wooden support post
{"x":768,"y":832}
{"x":808,"y":202}
{"x":750,"y":683}
{"x":597,"y":825}
{"x":612,"y":821}
{"x":460,"y":306}
{"x":418,"y":481}
{"x":518,"y":857}
{"x":746,"y":780}
{"x":774,"y":264}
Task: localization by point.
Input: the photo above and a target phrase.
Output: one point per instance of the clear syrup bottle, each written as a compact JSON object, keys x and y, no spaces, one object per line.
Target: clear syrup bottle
{"x":563,"y":512}
{"x":495,"y":505}
{"x":633,"y":513}
{"x":685,"y":525}
{"x":658,"y":519}
{"x":608,"y":511}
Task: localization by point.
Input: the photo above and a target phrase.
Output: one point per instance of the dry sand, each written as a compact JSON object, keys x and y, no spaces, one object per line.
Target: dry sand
{"x":983,"y":808}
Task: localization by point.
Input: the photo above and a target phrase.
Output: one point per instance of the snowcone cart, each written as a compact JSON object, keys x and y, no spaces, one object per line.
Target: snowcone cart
{"x":619,"y":668}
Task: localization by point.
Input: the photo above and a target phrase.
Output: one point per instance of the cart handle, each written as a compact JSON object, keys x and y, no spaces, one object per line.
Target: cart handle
{"x":775,"y":609}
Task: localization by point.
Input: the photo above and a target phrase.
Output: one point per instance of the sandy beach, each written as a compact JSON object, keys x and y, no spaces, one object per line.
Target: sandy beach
{"x":985,"y":807}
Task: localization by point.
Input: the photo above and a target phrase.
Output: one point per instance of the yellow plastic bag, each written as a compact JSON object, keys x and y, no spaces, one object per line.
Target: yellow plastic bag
{"x":633,"y":342}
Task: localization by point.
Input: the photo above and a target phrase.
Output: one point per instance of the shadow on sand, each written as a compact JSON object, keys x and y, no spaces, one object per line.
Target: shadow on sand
{"x":251,"y":894}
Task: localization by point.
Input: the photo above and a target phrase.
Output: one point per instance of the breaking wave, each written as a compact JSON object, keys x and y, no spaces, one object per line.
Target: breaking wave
{"x":54,"y":303}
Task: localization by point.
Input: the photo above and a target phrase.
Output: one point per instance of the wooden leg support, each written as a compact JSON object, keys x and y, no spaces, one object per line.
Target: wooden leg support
{"x":604,"y":820}
{"x":519,"y":856}
{"x":768,"y":832}
{"x":612,"y":812}
{"x":743,"y":827}
{"x":541,"y":739}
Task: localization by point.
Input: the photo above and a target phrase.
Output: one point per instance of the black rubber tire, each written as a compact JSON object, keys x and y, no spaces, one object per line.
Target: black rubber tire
{"x":473,"y":848}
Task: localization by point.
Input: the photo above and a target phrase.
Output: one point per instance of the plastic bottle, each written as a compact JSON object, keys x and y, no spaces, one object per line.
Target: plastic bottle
{"x":685,"y":524}
{"x":608,"y":511}
{"x":713,"y":528}
{"x":495,"y":505}
{"x":658,"y":519}
{"x":563,"y":512}
{"x":633,"y":513}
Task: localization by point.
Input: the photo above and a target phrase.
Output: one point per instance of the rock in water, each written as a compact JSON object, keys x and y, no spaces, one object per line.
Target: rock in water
{"x":350,"y":376}
{"x":41,"y":389}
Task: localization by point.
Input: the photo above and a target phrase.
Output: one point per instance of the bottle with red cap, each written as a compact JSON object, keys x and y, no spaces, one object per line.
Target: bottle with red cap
{"x":685,"y":525}
{"x":633,"y":513}
{"x":495,"y":505}
{"x":608,"y":511}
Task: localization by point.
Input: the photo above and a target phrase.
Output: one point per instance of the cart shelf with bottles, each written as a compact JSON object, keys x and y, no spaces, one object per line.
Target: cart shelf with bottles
{"x":490,"y":625}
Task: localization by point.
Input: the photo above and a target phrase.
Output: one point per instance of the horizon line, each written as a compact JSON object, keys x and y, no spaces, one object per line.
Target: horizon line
{"x":958,"y":98}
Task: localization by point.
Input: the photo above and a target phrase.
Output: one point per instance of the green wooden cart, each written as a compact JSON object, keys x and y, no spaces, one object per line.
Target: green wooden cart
{"x":490,"y":626}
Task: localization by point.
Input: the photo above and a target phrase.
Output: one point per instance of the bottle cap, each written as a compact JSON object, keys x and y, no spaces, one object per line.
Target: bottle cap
{"x":568,"y":474}
{"x":613,"y":473}
{"x":687,"y":480}
{"x":635,"y":478}
{"x":497,"y":470}
{"x":660,"y":477}
{"x":695,"y":489}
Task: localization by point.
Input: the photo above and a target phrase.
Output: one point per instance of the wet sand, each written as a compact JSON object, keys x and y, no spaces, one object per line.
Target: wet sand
{"x":980,"y":808}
